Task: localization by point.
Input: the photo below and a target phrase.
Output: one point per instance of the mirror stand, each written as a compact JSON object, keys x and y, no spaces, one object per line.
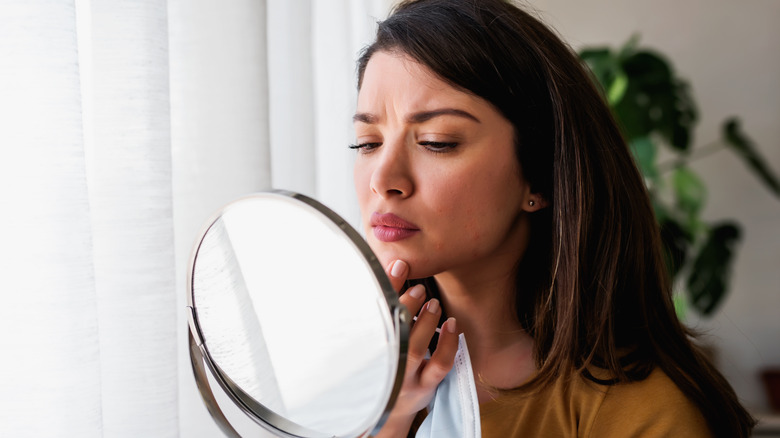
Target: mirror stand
{"x":196,"y":359}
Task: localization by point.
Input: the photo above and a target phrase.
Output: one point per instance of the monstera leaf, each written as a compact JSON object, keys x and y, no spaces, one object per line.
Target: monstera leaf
{"x":712,"y":267}
{"x":656,"y":110}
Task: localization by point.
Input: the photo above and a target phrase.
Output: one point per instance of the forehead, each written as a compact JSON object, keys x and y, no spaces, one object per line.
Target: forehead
{"x":408,"y":84}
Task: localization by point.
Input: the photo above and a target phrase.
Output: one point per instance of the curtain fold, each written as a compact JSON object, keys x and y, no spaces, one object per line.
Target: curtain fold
{"x":50,"y":364}
{"x":130,"y":180}
{"x":291,"y":95}
{"x":88,"y":318}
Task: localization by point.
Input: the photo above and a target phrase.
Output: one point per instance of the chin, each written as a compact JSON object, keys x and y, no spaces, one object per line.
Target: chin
{"x":421,"y":267}
{"x":386,"y":256}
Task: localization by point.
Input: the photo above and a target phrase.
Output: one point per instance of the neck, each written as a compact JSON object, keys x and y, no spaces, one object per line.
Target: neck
{"x":484,"y":309}
{"x":500,"y":350}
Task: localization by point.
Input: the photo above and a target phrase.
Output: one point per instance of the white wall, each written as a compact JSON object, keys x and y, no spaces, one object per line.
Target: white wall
{"x":730,"y":53}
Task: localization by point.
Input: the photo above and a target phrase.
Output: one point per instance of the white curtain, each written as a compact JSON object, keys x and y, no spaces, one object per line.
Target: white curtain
{"x":123,"y":125}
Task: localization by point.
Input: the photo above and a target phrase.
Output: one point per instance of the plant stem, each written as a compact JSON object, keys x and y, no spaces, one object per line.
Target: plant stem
{"x":697,"y":154}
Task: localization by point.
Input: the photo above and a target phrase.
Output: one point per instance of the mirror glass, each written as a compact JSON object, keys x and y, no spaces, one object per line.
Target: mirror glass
{"x":292,"y":306}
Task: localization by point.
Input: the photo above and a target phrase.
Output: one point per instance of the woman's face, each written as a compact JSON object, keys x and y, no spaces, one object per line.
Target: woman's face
{"x":436,"y":175}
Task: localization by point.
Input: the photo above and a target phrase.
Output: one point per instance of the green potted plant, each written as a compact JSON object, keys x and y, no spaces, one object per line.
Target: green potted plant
{"x":656,"y":111}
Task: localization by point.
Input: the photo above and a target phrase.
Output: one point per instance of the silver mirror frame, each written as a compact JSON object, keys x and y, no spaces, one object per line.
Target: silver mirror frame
{"x":199,"y":352}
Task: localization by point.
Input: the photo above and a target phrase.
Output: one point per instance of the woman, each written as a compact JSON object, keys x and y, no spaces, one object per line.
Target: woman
{"x":490,"y":168}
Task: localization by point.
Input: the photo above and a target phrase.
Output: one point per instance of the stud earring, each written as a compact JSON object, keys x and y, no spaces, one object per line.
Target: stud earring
{"x":531,"y":203}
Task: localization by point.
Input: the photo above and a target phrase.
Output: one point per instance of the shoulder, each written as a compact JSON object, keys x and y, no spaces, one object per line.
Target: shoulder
{"x":653,"y":407}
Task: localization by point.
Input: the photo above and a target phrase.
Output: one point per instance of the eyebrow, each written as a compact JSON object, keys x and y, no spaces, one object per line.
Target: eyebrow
{"x":419,"y":117}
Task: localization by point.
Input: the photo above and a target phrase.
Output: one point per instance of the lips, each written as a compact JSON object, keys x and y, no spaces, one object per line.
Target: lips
{"x":388,"y":227}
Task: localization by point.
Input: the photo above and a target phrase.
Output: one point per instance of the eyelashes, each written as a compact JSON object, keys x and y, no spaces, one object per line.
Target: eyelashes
{"x":432,"y":146}
{"x":364,"y":147}
{"x":438,"y":146}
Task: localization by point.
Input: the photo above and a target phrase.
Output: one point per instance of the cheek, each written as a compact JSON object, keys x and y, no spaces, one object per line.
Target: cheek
{"x":485,"y":205}
{"x":361,"y":178}
{"x":458,"y":207}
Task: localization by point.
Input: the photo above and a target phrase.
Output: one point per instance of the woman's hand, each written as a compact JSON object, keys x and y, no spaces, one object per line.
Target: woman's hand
{"x":422,"y":375}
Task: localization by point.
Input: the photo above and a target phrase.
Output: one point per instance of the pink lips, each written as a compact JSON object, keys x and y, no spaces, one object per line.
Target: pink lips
{"x":388,"y":227}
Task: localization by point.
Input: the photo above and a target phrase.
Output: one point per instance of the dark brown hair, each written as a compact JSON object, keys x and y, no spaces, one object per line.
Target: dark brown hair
{"x":594,"y":285}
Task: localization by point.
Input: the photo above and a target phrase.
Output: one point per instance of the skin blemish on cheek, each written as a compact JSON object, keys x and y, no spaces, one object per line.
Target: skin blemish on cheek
{"x":472,"y":230}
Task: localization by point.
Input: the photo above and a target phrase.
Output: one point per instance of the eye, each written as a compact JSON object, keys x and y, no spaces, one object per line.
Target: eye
{"x":438,"y":146}
{"x":365,"y":147}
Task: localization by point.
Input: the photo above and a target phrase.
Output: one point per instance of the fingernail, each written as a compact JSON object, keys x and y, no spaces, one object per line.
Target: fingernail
{"x":417,"y":291}
{"x":399,"y":269}
{"x":452,"y":327}
{"x":433,"y":305}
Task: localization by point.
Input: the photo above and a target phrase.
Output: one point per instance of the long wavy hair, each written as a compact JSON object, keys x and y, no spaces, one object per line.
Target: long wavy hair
{"x":594,"y":285}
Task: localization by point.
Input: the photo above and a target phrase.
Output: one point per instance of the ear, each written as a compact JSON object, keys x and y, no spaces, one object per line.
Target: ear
{"x":534,"y":202}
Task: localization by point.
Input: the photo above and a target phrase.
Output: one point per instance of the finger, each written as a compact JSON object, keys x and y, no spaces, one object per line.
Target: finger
{"x":444,"y":357}
{"x":397,"y":272}
{"x":413,"y":298}
{"x":423,"y":329}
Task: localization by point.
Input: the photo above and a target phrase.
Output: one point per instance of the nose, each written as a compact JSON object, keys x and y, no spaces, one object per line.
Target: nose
{"x":392,"y":176}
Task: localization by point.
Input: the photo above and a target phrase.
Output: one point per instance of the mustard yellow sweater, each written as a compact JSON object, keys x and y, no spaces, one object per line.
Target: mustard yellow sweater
{"x":653,"y":407}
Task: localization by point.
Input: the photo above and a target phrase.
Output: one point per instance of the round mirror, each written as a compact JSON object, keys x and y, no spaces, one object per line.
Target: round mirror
{"x":294,"y":318}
